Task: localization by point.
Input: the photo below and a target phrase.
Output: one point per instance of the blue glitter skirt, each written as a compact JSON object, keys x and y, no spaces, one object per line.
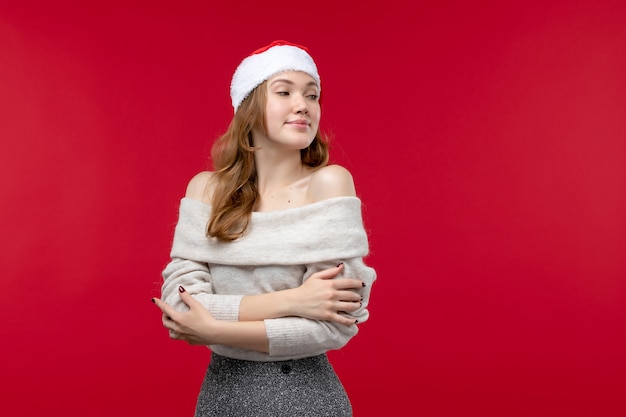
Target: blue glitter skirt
{"x":295,"y":388}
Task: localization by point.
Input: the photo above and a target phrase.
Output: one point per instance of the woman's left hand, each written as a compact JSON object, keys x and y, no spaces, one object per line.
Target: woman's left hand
{"x":196,"y":326}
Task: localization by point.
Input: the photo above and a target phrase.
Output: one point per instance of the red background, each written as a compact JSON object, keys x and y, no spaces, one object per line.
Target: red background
{"x":487,"y":141}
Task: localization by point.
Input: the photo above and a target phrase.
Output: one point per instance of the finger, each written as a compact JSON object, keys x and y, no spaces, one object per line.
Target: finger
{"x":165,"y":309}
{"x":343,"y":318}
{"x":330,"y":272}
{"x":348,"y":283}
{"x":187,"y":297}
{"x":167,"y":321}
{"x":348,"y":306}
{"x":349,"y":296}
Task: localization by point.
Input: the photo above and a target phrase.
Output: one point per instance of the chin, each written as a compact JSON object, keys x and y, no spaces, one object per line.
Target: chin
{"x":305,"y":145}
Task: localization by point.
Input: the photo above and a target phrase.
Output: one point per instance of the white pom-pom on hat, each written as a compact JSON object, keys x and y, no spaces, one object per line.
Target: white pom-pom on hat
{"x":264,"y":63}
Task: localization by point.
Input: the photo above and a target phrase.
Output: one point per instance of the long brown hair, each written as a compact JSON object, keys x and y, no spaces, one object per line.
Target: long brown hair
{"x":235,"y":190}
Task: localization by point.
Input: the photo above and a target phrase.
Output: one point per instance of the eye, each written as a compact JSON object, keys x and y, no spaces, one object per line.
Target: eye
{"x":313,"y":96}
{"x":283,"y":93}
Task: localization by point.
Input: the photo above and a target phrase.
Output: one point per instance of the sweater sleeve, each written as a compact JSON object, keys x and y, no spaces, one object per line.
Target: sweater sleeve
{"x":196,"y":278}
{"x":296,"y":336}
{"x":188,"y":268}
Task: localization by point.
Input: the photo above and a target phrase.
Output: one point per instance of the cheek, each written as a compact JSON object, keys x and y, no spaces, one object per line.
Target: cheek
{"x":274,"y":110}
{"x":270,"y":107}
{"x":316,"y":113}
{"x":317,"y":117}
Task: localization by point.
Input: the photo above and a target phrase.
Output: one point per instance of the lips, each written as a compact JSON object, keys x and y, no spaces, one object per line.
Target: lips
{"x":299,"y":122}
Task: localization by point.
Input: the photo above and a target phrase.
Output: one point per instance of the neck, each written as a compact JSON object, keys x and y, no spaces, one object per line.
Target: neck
{"x":277,"y":171}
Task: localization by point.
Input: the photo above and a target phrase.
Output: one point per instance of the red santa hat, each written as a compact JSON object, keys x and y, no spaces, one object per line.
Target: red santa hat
{"x":265,"y":62}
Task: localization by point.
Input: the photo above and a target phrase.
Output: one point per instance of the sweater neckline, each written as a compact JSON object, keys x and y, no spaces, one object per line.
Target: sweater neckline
{"x":283,"y":211}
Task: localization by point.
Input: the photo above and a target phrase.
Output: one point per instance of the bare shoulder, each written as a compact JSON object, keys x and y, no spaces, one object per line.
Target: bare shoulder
{"x":200,"y":187}
{"x":331,"y":181}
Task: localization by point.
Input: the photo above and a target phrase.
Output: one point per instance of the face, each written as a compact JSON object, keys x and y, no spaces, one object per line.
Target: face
{"x":292,"y":112}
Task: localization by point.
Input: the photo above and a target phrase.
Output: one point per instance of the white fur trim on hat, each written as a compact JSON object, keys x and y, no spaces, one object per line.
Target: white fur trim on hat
{"x":259,"y":67}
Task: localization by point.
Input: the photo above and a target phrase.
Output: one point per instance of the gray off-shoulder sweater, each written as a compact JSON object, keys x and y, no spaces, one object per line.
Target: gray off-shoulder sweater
{"x":279,"y":250}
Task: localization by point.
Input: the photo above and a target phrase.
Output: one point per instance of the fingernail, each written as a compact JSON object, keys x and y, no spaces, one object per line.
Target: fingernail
{"x":356,"y":322}
{"x":152,"y":299}
{"x":363,"y":284}
{"x":338,"y":265}
{"x":181,"y":289}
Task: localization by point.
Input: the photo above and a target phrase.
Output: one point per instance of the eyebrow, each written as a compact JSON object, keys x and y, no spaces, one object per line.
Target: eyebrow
{"x":286,"y":81}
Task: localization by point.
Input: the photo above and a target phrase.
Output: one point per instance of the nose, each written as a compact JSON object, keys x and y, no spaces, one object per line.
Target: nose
{"x":300,"y":105}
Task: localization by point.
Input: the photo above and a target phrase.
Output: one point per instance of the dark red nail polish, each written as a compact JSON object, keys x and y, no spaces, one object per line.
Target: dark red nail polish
{"x":339,"y":264}
{"x":152,"y":299}
{"x":181,"y":289}
{"x":364,"y":284}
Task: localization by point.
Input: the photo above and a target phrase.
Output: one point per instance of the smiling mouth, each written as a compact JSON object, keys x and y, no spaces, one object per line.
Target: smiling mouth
{"x":299,"y":123}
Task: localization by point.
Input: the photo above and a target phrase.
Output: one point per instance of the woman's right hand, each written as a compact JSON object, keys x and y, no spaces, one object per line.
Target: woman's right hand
{"x":324,"y":297}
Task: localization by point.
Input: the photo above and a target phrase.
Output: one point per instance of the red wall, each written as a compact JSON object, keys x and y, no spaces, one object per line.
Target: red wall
{"x":488,"y":143}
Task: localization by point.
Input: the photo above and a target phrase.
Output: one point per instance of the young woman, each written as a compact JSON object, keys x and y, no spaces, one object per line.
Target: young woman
{"x":267,"y":259}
